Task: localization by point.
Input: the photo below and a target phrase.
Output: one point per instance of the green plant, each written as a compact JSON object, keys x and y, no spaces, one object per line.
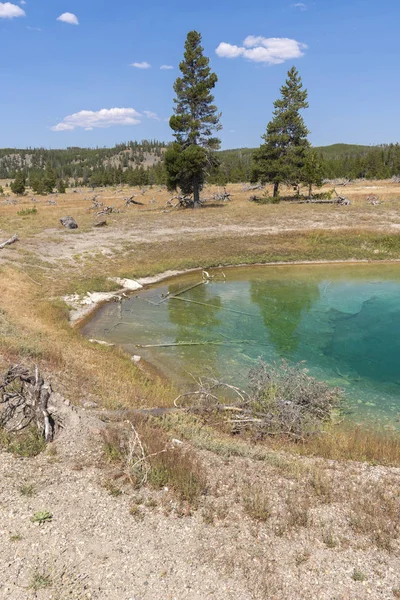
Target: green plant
{"x":265,"y":199}
{"x":25,"y":212}
{"x":27,"y":490}
{"x":28,"y":443}
{"x":41,"y":517}
{"x":136,"y":512}
{"x":17,"y":537}
{"x":112,"y":489}
{"x":302,"y":557}
{"x":256,"y":504}
{"x":40,"y":580}
{"x":358,"y":575}
{"x":329,"y":539}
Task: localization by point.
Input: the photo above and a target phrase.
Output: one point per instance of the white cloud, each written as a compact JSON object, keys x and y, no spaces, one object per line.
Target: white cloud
{"x":10,"y":11}
{"x":22,"y":2}
{"x":166,"y":67}
{"x":33,"y":28}
{"x":106,"y":117}
{"x":141,"y":65}
{"x":229,"y":51}
{"x":69,"y":18}
{"x":271,"y":51}
{"x":300,"y":6}
{"x":151,"y":115}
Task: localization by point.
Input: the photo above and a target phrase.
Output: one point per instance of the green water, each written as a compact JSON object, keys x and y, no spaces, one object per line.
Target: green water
{"x":343,"y":321}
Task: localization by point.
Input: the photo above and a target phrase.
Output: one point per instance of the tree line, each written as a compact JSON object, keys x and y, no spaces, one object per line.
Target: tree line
{"x":285,"y":155}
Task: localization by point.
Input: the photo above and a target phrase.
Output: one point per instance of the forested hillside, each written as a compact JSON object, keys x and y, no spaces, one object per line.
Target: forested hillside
{"x":141,"y":163}
{"x":338,"y":160}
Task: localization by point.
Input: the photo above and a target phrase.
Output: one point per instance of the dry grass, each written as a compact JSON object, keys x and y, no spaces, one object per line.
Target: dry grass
{"x":375,"y":513}
{"x":173,"y":467}
{"x":354,"y":442}
{"x":257,"y":504}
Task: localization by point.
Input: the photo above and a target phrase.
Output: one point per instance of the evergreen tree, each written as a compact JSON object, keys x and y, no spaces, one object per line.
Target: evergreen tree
{"x":36,"y":181}
{"x":61,"y":186}
{"x":312,"y":171}
{"x":195,"y":120}
{"x":282,"y":156}
{"x":50,"y":178}
{"x":18,"y":185}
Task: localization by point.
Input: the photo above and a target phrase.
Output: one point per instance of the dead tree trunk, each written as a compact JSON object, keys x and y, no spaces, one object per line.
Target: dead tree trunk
{"x":196,"y":193}
{"x":24,"y":401}
{"x":276,"y":189}
{"x":12,"y":240}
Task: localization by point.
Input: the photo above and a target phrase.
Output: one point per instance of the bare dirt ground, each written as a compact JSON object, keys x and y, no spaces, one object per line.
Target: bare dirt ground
{"x":277,"y":528}
{"x":43,"y":236}
{"x":310,"y":545}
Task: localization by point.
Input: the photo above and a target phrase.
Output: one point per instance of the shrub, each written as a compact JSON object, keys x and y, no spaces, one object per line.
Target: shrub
{"x":284,"y":399}
{"x":148,"y":456}
{"x":28,"y":443}
{"x":256,"y":504}
{"x":25,"y":212}
{"x":265,"y":199}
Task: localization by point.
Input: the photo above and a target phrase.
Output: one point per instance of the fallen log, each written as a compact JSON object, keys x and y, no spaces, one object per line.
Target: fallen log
{"x":12,"y":240}
{"x":131,"y":200}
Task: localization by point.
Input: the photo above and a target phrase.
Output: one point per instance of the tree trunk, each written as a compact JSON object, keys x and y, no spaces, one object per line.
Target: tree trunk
{"x":196,"y":194}
{"x":310,"y":190}
{"x":276,"y":189}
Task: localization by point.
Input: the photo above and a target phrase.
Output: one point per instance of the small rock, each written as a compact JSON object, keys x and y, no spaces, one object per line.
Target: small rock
{"x":136,"y":358}
{"x":100,"y":223}
{"x":67,"y":403}
{"x":69,"y":222}
{"x":89,"y":404}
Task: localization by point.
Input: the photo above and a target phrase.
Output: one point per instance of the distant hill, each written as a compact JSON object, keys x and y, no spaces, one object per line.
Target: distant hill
{"x":75,"y":162}
{"x":141,"y":163}
{"x":340,"y":150}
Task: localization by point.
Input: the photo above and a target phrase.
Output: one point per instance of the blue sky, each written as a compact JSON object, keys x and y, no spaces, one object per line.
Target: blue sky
{"x":52,"y":69}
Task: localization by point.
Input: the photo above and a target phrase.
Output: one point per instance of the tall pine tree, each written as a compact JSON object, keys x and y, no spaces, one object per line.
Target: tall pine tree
{"x":282,"y":156}
{"x":195,"y":120}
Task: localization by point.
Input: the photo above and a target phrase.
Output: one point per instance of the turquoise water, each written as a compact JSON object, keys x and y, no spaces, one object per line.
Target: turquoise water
{"x":343,"y":321}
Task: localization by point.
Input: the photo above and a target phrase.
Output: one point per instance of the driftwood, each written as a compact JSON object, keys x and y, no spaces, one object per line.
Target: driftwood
{"x":12,"y":240}
{"x":251,"y":188}
{"x":107,"y":211}
{"x":24,"y":400}
{"x":374,"y":200}
{"x":131,"y":200}
{"x":182,"y":202}
{"x":100,"y":223}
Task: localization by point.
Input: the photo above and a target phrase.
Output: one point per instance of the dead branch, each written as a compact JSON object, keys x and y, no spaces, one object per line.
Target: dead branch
{"x":12,"y":240}
{"x":24,"y":400}
{"x":374,"y":200}
{"x":251,"y":188}
{"x":107,"y":211}
{"x":131,"y":200}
